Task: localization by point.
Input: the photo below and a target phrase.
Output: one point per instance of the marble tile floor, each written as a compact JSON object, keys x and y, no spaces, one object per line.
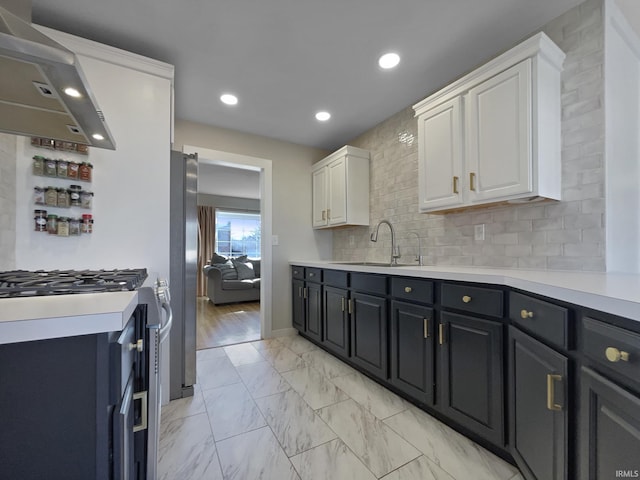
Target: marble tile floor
{"x":281,"y":409}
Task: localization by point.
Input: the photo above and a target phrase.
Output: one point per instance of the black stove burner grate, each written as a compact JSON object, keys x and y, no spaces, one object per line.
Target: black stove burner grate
{"x":22,"y":283}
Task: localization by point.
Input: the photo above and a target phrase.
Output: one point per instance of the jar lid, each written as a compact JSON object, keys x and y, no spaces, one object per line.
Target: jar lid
{"x":85,"y":192}
{"x":38,"y":188}
{"x":51,"y":215}
{"x":38,"y":157}
{"x":40,"y":212}
{"x":86,"y":216}
{"x":75,"y":187}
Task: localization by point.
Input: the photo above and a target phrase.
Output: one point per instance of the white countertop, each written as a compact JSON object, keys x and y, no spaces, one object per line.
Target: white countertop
{"x":38,"y":318}
{"x":618,"y":294}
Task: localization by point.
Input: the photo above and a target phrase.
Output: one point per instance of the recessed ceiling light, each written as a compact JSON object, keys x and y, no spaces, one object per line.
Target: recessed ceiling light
{"x":72,"y":92}
{"x":323,"y":116}
{"x":229,"y":99}
{"x":97,"y":136}
{"x":389,"y":60}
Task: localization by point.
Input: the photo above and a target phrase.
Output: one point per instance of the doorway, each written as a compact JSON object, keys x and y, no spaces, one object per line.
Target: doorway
{"x":244,"y":311}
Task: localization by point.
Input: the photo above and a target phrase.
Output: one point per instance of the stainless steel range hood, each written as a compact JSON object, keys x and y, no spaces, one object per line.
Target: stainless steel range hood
{"x":43,"y":91}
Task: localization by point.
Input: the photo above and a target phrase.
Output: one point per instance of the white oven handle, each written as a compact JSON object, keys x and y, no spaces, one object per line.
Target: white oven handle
{"x":164,"y":330}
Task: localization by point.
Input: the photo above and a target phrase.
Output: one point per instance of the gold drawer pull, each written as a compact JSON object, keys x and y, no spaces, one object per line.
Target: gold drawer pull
{"x":526,"y":314}
{"x":614,"y":355}
{"x":551,"y":402}
{"x":310,"y":275}
{"x":425,"y":327}
{"x":440,"y":333}
{"x":407,"y":289}
{"x":472,"y":183}
{"x":466,"y":299}
{"x":342,"y":298}
{"x":455,"y":185}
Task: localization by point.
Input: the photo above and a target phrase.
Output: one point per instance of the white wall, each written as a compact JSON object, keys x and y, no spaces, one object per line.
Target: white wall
{"x":291,"y":171}
{"x":622,"y":103}
{"x":131,"y":184}
{"x":228,"y":181}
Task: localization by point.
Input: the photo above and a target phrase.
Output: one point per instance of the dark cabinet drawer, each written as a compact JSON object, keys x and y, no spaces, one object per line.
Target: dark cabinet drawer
{"x":412,"y":289}
{"x":546,"y":320}
{"x":365,"y":282}
{"x":612,"y":347}
{"x":336,"y":278}
{"x":485,"y":301}
{"x":313,"y":274}
{"x":297,"y":272}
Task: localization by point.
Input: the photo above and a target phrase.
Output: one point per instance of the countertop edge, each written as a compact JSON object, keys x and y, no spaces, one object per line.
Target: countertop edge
{"x":617,"y":294}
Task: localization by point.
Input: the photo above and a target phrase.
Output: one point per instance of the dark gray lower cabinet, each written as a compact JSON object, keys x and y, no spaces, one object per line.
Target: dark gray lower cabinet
{"x":471,"y":380}
{"x":299,"y":304}
{"x":610,"y":423}
{"x":412,"y":350}
{"x":314,"y":311}
{"x":369,"y":333}
{"x":336,"y":320}
{"x":538,"y":408}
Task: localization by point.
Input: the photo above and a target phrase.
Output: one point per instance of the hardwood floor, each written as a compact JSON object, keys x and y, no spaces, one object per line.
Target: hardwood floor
{"x":221,"y":325}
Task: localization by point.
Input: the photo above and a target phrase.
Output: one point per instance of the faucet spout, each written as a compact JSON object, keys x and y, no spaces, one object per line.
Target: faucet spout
{"x":395,"y":250}
{"x":419,"y":256}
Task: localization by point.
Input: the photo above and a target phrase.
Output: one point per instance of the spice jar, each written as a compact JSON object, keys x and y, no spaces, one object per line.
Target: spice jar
{"x":72,"y":170}
{"x":86,"y":199}
{"x":51,"y":197}
{"x":63,"y":227}
{"x":85,"y":171}
{"x":74,"y":194}
{"x":62,"y":168}
{"x":52,"y":224}
{"x":63,"y":198}
{"x":87,"y":223}
{"x":74,"y":226}
{"x":38,"y":195}
{"x":40,"y":218}
{"x":50,"y":168}
{"x":38,"y":165}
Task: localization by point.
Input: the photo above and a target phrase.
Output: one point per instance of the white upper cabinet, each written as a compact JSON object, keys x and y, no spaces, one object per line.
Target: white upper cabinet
{"x":340,"y":189}
{"x":494,"y":135}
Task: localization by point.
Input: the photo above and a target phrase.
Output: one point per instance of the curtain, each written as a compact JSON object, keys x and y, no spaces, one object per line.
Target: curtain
{"x":206,"y":232}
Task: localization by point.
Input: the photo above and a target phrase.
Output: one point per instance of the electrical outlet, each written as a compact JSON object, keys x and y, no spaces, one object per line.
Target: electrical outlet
{"x":275,"y":240}
{"x":352,"y":240}
{"x":479,"y":232}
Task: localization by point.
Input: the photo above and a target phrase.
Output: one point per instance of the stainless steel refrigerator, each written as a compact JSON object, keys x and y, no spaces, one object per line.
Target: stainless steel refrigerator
{"x":182,"y":274}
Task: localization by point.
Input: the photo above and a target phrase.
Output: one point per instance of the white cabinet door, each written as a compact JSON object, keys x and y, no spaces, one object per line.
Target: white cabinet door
{"x":498,"y":155}
{"x":319,"y":199}
{"x":337,"y":202}
{"x":440,"y":156}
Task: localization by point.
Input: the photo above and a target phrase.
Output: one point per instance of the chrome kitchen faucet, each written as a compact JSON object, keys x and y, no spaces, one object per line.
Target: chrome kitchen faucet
{"x":395,"y":250}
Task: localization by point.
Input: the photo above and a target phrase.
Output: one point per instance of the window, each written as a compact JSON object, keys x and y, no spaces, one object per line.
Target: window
{"x":237,"y":233}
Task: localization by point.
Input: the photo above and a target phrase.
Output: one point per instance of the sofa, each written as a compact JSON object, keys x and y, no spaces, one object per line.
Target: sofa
{"x":234,"y":280}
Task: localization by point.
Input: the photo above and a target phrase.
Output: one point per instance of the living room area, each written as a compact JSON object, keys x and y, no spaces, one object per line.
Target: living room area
{"x":229,"y":237}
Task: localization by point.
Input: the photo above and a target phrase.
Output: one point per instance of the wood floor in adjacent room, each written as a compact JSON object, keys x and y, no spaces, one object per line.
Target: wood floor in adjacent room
{"x":221,"y":325}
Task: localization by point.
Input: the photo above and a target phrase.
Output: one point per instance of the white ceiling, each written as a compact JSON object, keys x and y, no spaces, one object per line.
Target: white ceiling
{"x":228,"y":181}
{"x":286,"y":59}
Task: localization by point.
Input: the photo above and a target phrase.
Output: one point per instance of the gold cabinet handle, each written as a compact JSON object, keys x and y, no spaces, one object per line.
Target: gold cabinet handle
{"x":300,"y":292}
{"x":324,"y":214}
{"x":551,"y":402}
{"x":441,"y":333}
{"x":425,"y":327}
{"x":472,"y":182}
{"x":304,"y":291}
{"x":342,"y":298}
{"x":455,"y":184}
{"x":466,"y":299}
{"x":407,"y":289}
{"x":311,"y":275}
{"x":350,"y":305}
{"x":526,"y":314}
{"x":614,"y":355}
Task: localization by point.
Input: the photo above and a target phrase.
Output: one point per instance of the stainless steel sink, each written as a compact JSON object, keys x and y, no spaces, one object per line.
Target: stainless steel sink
{"x":373,"y":264}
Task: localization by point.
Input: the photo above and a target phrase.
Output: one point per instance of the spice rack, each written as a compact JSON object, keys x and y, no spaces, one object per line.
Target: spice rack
{"x":67,"y":197}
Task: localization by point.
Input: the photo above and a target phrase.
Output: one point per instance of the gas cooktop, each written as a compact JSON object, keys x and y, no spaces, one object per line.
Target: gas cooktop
{"x":22,"y":283}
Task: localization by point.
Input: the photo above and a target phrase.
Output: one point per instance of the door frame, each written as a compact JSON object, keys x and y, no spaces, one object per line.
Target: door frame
{"x":264,"y":166}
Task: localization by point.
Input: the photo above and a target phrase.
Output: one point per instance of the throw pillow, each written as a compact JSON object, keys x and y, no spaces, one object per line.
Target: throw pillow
{"x":218,"y":259}
{"x":245,"y":270}
{"x":241,"y":258}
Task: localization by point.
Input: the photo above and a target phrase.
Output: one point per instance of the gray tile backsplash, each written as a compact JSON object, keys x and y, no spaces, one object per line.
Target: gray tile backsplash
{"x":567,"y":235}
{"x":7,"y":202}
